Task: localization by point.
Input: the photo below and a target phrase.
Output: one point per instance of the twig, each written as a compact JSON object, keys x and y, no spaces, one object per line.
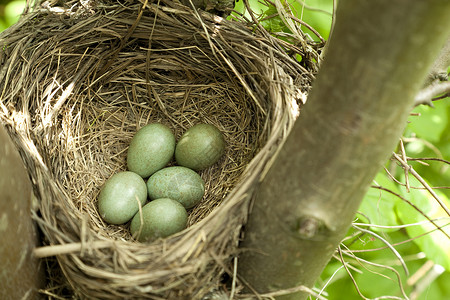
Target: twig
{"x":415,"y":207}
{"x":399,"y":279}
{"x":233,"y":284}
{"x":423,"y":182}
{"x":402,"y":148}
{"x":349,"y":273}
{"x":399,"y":257}
{"x":329,"y":279}
{"x":311,"y":8}
{"x":47,"y":251}
{"x":309,"y":27}
{"x":402,"y":242}
{"x":429,"y":158}
{"x":426,"y":143}
{"x":398,"y":226}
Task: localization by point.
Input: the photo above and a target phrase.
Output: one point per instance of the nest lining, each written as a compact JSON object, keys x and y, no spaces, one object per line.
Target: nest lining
{"x":76,"y":86}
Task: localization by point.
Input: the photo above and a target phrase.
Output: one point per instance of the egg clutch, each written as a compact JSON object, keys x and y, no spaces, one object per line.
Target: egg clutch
{"x":171,"y":190}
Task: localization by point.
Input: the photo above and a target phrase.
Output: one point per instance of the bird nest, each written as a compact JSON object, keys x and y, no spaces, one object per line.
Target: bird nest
{"x":78,"y":81}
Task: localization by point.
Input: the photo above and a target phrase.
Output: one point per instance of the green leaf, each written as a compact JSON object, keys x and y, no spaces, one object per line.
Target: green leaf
{"x":273,"y":24}
{"x":13,"y":10}
{"x":434,"y":243}
{"x":378,"y":205}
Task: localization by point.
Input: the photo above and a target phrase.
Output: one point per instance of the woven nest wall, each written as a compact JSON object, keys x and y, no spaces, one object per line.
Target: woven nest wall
{"x":77,"y":82}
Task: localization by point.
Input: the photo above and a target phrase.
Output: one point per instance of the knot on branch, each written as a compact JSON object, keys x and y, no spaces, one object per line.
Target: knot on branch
{"x":310,"y":227}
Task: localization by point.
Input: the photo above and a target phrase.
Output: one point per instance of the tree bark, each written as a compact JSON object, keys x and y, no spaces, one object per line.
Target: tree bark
{"x":379,"y":55}
{"x":20,"y":273}
{"x":439,"y":69}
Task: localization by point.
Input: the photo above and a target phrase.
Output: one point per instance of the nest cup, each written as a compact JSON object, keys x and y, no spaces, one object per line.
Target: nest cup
{"x":76,"y":84}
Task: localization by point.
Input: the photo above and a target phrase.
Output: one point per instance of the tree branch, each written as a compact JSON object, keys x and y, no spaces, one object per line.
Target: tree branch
{"x":426,"y":95}
{"x":378,"y":57}
{"x":439,"y":68}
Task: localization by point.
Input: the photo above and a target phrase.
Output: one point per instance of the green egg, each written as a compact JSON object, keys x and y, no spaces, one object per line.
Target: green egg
{"x":177,"y":183}
{"x":151,"y":149}
{"x":161,"y":218}
{"x":200,"y":147}
{"x":120,"y":196}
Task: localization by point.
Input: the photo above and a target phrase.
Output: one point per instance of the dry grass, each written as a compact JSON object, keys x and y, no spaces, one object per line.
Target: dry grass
{"x":77,"y":83}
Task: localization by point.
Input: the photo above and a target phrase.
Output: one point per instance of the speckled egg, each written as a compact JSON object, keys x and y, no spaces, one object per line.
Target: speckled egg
{"x":151,"y":149}
{"x":161,"y":218}
{"x":200,"y":147}
{"x":178,"y":183}
{"x":120,"y":196}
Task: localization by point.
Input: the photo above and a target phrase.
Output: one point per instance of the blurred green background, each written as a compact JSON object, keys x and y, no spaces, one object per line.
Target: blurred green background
{"x":374,"y":267}
{"x":10,"y":12}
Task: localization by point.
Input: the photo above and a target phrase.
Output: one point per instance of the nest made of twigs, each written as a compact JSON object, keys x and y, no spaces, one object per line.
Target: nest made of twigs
{"x":78,"y":81}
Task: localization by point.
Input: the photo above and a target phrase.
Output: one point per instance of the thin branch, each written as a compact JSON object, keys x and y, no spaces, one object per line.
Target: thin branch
{"x":349,"y":273}
{"x":397,"y":274}
{"x":53,"y":250}
{"x":309,"y":27}
{"x":426,"y":143}
{"x":423,"y":182}
{"x":361,"y":262}
{"x":429,"y":158}
{"x":441,"y":97}
{"x":402,"y":148}
{"x":413,"y":206}
{"x":329,"y":280}
{"x":348,"y":265}
{"x":311,"y":8}
{"x":233,"y":284}
{"x":411,"y":187}
{"x":398,"y":226}
{"x":291,"y":16}
{"x":399,"y":257}
{"x":402,"y":242}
